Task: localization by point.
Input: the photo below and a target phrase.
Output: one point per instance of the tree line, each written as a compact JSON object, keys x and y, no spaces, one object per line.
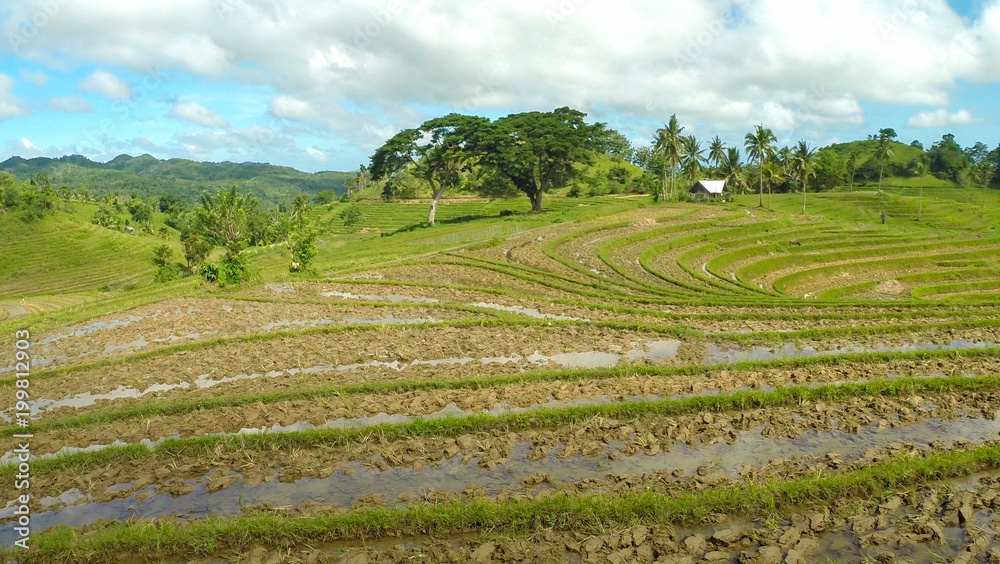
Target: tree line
{"x":535,"y":151}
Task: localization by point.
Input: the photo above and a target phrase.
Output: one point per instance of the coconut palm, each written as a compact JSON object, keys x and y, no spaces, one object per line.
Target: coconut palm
{"x":804,"y":165}
{"x":716,"y":151}
{"x":731,"y":169}
{"x":921,"y":171}
{"x":852,"y":163}
{"x":783,"y":157}
{"x":760,"y":148}
{"x":774,"y":174}
{"x":668,"y":145}
{"x":691,"y":157}
{"x":883,"y":152}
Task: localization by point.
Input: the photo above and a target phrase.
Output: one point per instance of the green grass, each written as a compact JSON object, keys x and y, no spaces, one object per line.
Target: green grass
{"x":64,"y":253}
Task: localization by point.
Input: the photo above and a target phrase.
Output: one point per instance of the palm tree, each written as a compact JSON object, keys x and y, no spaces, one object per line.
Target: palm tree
{"x":783,"y":157}
{"x":759,"y":146}
{"x":716,"y":151}
{"x":804,"y":164}
{"x":691,"y":156}
{"x":774,"y":174}
{"x":731,"y":169}
{"x":668,"y":144}
{"x":883,"y":152}
{"x":921,"y":171}
{"x":852,"y":163}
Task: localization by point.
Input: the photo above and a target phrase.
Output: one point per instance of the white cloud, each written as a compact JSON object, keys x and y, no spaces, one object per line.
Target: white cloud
{"x":941,"y":118}
{"x":70,"y":104}
{"x":362,"y":69}
{"x":194,"y":112}
{"x":291,"y":108}
{"x":316,"y":154}
{"x":251,"y":137}
{"x":10,"y":105}
{"x":108,"y":85}
{"x":38,"y":78}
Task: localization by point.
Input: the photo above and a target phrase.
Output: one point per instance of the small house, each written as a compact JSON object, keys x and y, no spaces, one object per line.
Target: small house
{"x":709,"y":189}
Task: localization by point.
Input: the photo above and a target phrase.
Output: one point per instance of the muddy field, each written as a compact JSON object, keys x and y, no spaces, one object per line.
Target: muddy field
{"x":543,"y":371}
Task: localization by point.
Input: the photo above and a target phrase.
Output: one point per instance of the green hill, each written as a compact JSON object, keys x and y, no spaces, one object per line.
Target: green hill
{"x":902,"y":154}
{"x":146,"y":176}
{"x":64,"y":253}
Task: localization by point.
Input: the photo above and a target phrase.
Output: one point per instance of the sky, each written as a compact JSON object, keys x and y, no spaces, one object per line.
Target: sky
{"x":320,"y":84}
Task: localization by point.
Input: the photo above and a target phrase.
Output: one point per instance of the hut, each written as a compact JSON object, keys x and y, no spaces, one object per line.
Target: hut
{"x":709,"y":189}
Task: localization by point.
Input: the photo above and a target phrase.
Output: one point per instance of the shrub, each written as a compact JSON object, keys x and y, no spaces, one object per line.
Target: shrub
{"x":351,"y":216}
{"x":209,"y":272}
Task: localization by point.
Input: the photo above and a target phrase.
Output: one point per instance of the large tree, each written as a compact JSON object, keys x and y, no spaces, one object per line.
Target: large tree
{"x":760,"y":148}
{"x":947,"y":157}
{"x":668,"y":145}
{"x":439,"y":151}
{"x":536,"y":151}
{"x":611,"y":142}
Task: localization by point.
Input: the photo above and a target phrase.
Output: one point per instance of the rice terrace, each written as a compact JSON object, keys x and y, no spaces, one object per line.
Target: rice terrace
{"x":628,"y":283}
{"x":611,"y":380}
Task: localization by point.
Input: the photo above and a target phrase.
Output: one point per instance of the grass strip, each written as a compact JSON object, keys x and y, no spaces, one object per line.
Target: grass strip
{"x":507,"y":422}
{"x":151,"y":540}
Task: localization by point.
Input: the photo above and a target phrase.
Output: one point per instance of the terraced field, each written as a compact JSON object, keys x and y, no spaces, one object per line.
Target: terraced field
{"x":673,"y":383}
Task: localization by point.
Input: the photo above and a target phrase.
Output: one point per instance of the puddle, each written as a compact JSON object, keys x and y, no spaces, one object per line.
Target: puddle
{"x":280,"y":288}
{"x":137,"y":344}
{"x":453,"y":476}
{"x":530,"y":312}
{"x":390,"y":320}
{"x":36,"y":362}
{"x":591,"y":359}
{"x":393,"y":298}
{"x":295,"y":323}
{"x":653,"y":350}
{"x":718,"y":355}
{"x":87,"y":399}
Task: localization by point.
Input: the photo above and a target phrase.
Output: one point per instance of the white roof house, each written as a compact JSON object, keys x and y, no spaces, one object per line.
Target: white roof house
{"x":709,"y":187}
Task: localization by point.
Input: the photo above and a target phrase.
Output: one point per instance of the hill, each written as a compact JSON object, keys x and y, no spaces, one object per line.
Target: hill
{"x":64,"y":253}
{"x":146,"y":176}
{"x":902,"y":154}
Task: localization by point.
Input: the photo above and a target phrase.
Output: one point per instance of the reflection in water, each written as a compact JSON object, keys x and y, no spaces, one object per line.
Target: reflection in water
{"x":718,"y":355}
{"x":344,"y":489}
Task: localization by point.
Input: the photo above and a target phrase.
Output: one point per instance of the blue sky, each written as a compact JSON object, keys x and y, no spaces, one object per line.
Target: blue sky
{"x":318,"y":85}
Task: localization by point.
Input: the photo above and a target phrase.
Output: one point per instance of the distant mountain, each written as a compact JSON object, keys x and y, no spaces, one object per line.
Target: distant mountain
{"x":148,"y":176}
